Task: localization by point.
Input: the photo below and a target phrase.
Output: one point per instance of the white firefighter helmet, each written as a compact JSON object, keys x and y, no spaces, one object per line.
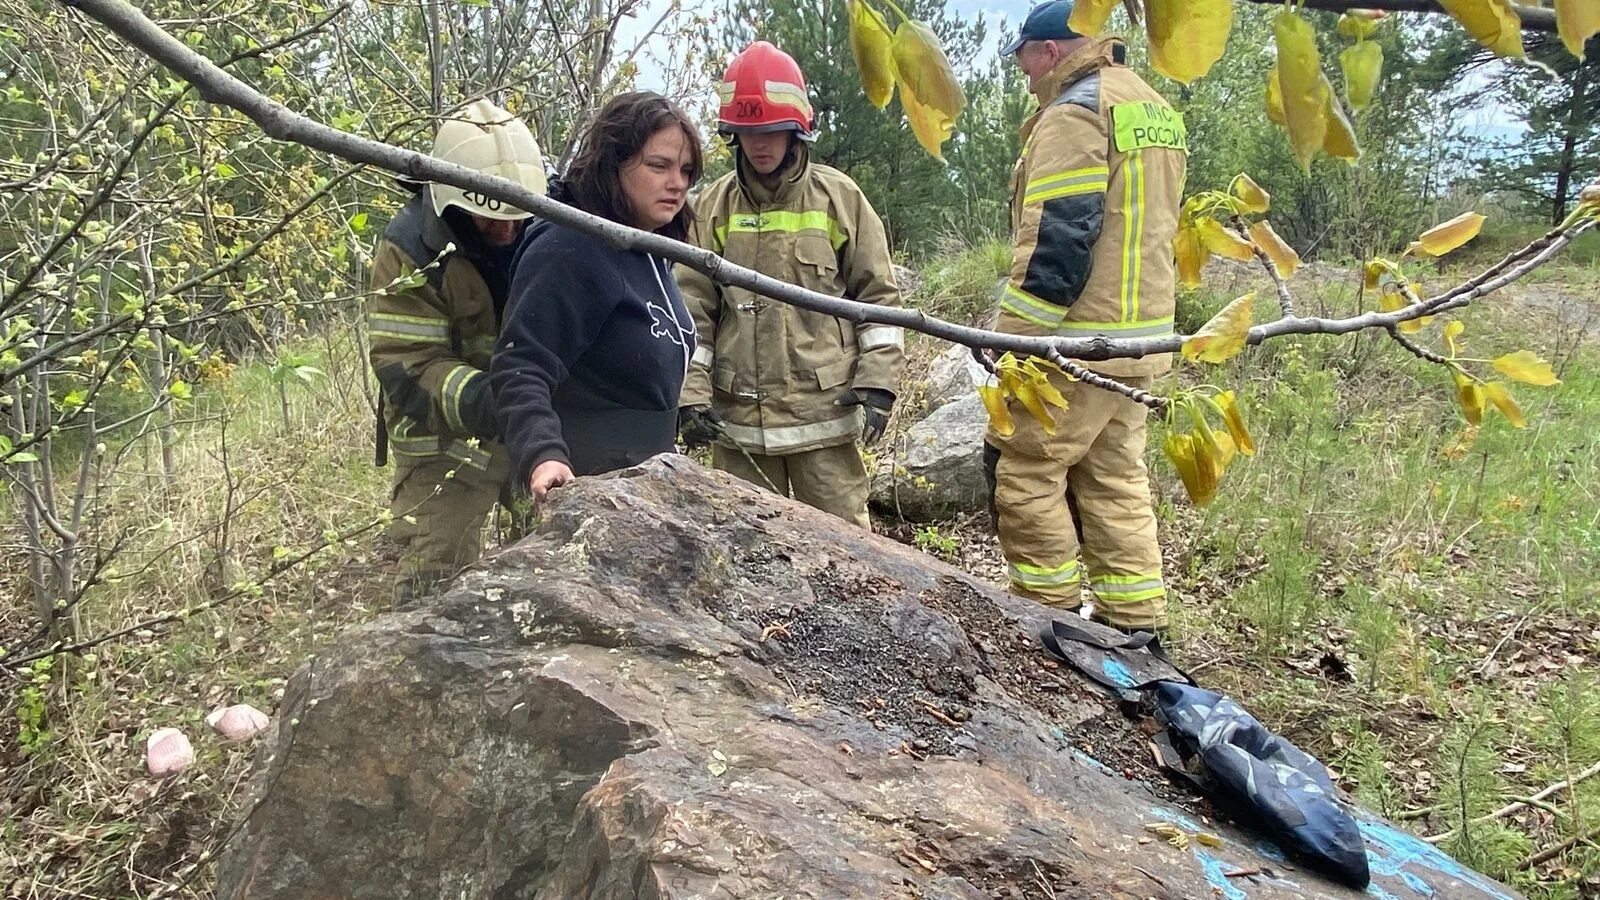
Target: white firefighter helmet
{"x":485,"y":137}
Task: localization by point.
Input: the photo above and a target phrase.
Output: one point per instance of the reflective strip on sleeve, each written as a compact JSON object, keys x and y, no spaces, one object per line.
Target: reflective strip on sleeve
{"x":1027,"y":307}
{"x":411,"y":329}
{"x":875,"y":336}
{"x":703,"y":356}
{"x":455,"y":384}
{"x":1035,"y":577}
{"x":1127,"y":588}
{"x":785,"y":221}
{"x":401,"y":443}
{"x":776,"y":440}
{"x":1092,"y":180}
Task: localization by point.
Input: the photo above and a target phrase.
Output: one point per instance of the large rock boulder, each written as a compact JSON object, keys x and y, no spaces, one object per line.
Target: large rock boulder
{"x":949,"y":378}
{"x":935,"y":470}
{"x":682,"y":687}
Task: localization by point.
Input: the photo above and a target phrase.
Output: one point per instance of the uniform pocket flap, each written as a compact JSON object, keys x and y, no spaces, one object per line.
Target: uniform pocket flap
{"x":833,"y":375}
{"x":816,"y":251}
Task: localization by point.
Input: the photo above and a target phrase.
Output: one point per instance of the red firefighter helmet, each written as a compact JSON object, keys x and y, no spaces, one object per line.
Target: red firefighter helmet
{"x":763,"y":90}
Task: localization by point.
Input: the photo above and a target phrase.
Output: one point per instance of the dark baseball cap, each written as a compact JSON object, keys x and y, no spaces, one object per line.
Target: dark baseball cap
{"x":1045,"y":22}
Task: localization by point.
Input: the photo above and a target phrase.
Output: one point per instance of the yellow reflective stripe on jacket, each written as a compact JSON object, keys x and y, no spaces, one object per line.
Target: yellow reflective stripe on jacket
{"x":403,"y":444}
{"x":1031,"y":576}
{"x":703,"y":356}
{"x":782,"y":220}
{"x":775,"y":440}
{"x":1138,"y":328}
{"x":1026,"y":306}
{"x":1127,"y":588}
{"x":417,"y":329}
{"x":1133,"y":237}
{"x":1092,"y":180}
{"x":455,"y":383}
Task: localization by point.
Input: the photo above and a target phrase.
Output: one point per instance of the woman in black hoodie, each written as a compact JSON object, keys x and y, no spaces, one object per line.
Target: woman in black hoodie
{"x":596,"y":340}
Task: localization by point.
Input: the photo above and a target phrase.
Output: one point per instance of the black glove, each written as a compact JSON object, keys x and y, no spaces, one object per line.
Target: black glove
{"x":477,"y":410}
{"x":698,"y":425}
{"x":877,"y":403}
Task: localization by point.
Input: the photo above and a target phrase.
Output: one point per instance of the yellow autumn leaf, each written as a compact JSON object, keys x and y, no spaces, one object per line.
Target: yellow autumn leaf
{"x":1577,"y":21}
{"x":1252,"y":197}
{"x":1221,"y":339}
{"x":1390,"y":298}
{"x":1373,"y":274}
{"x":1471,"y":398}
{"x":1047,"y":391}
{"x":929,"y":91}
{"x":1447,"y":236}
{"x":1340,"y":142}
{"x":1187,"y":37}
{"x":1527,"y":367}
{"x":1493,"y":23}
{"x":1283,"y":256}
{"x":872,"y":45}
{"x":1228,"y":404}
{"x":1199,"y":479}
{"x":1191,"y":254}
{"x":1362,"y":65}
{"x":1029,"y":398}
{"x":1497,"y":394}
{"x":1209,"y":442}
{"x":1089,"y":16}
{"x":1275,"y":113}
{"x":994,"y":401}
{"x":1360,"y":24}
{"x":1219,"y":240}
{"x":1452,"y":331}
{"x":1305,"y":106}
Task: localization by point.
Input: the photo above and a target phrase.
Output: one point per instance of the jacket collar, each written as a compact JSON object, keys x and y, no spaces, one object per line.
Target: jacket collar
{"x":775,"y":189}
{"x":1095,"y":55}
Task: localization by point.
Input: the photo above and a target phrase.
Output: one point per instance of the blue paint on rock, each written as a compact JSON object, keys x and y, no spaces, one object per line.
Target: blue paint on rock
{"x":1091,"y":762}
{"x":1118,"y":673}
{"x":1216,"y":874}
{"x":1408,"y":850}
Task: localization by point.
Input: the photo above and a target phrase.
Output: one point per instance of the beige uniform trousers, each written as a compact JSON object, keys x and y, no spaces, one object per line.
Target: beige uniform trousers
{"x":1096,"y":454}
{"x":832,"y":479}
{"x":447,"y":514}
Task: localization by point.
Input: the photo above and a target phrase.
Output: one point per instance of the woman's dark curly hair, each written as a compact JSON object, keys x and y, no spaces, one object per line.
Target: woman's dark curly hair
{"x":618,"y":133}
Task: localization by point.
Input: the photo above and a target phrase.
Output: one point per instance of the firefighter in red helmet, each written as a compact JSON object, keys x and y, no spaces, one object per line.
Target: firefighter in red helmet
{"x":784,"y":394}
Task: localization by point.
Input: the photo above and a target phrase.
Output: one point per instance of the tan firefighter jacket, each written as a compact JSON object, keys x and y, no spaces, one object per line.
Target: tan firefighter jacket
{"x":773,"y":371}
{"x":431,"y":335}
{"x":1094,"y":208}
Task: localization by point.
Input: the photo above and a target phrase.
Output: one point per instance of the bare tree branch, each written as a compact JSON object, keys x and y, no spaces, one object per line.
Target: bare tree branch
{"x":278,"y":121}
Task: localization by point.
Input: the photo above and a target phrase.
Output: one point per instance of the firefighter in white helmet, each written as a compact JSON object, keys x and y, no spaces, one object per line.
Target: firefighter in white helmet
{"x":784,"y":393}
{"x":439,"y":279}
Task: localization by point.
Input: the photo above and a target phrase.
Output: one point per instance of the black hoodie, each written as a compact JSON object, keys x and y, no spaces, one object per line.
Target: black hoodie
{"x":592,"y":354}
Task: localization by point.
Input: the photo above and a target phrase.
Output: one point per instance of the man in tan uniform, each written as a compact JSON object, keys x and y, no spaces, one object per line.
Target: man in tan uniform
{"x":1095,"y":207}
{"x":775,"y":386}
{"x":439,"y":277}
